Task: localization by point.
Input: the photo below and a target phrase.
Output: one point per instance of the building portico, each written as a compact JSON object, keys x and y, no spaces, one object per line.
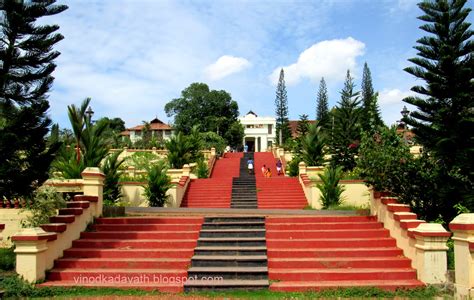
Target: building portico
{"x":259,"y":132}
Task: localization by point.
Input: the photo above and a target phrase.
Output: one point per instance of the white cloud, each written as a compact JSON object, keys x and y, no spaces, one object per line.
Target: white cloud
{"x":393,"y":96}
{"x":225,"y":66}
{"x":391,"y":103}
{"x":329,"y":59}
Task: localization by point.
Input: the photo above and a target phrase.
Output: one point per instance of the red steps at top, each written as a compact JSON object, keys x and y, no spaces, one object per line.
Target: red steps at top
{"x":267,"y":159}
{"x":227,"y":166}
{"x":216,"y":191}
{"x":280,"y":192}
{"x":276,"y":192}
{"x":149,"y":248}
{"x":208,"y":193}
{"x":313,"y":253}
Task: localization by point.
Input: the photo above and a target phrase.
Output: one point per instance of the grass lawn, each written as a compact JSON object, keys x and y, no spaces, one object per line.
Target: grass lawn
{"x":15,"y":288}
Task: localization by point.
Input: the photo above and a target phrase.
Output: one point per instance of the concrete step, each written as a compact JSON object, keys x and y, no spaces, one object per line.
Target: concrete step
{"x":229,"y":261}
{"x":151,"y":220}
{"x":234,"y":225}
{"x":233,"y":219}
{"x":300,"y":286}
{"x":231,"y":241}
{"x":127,"y":253}
{"x":225,"y":284}
{"x":339,"y":262}
{"x":234,"y":232}
{"x":342,"y":274}
{"x":134,"y":244}
{"x":122,"y":263}
{"x":333,"y":234}
{"x":335,"y":252}
{"x":230,"y":250}
{"x":330,"y":243}
{"x":240,"y":273}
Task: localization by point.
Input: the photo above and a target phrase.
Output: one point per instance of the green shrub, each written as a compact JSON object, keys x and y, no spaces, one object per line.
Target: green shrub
{"x":312,"y":146}
{"x":46,"y":202}
{"x":141,"y":160}
{"x":158,"y":184}
{"x":330,"y":189}
{"x":112,"y":171}
{"x":292,"y":166}
{"x":7,"y":259}
{"x":202,"y":169}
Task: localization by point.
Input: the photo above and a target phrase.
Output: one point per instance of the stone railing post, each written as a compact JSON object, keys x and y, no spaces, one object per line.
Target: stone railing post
{"x":93,"y":185}
{"x":30,"y":249}
{"x":213,"y":151}
{"x":302,"y":168}
{"x":431,"y":252}
{"x":463,"y":229}
{"x":186,"y":170}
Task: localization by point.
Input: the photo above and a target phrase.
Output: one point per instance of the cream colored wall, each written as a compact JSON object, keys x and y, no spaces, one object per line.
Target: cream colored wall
{"x":12,"y":219}
{"x":356,"y":193}
{"x":132,"y":194}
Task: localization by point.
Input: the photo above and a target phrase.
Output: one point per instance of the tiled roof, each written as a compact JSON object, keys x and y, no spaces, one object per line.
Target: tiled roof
{"x":294,"y":127}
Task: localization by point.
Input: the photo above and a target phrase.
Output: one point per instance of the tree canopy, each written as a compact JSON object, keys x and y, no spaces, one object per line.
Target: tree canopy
{"x":212,"y":110}
{"x":26,"y":67}
{"x":443,"y":121}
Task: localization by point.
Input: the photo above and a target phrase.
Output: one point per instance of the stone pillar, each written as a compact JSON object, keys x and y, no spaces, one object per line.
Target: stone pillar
{"x":93,"y":185}
{"x":213,"y":151}
{"x":431,"y":252}
{"x":463,"y":229}
{"x":186,"y":170}
{"x":30,"y":249}
{"x":302,"y":168}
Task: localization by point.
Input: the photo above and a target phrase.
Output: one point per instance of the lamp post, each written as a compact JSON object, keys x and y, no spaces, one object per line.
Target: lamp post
{"x":405,"y":112}
{"x":89,"y":113}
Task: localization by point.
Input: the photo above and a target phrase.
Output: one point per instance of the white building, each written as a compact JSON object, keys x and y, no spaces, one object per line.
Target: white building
{"x":259,"y":132}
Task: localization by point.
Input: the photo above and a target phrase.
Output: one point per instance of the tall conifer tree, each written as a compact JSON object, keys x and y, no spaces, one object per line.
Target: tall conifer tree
{"x":371,"y":119}
{"x":346,"y":133}
{"x":444,"y":120}
{"x":281,"y":104}
{"x":322,"y":109}
{"x":26,"y":65}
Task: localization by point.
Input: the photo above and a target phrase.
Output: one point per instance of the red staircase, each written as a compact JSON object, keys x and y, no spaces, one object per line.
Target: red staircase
{"x":313,"y":253}
{"x":146,"y":253}
{"x":214,"y":192}
{"x":280,"y":193}
{"x":210,"y":192}
{"x":228,"y":166}
{"x":277,"y":192}
{"x":267,"y":159}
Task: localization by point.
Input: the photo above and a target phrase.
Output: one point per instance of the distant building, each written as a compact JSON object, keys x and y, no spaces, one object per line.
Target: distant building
{"x":259,"y":132}
{"x":294,"y":127}
{"x":158,"y":129}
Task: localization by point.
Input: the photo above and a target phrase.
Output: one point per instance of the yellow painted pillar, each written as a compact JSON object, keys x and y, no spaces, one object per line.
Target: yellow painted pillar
{"x":30,"y":249}
{"x":431,"y":252}
{"x":463,"y":229}
{"x":93,"y":185}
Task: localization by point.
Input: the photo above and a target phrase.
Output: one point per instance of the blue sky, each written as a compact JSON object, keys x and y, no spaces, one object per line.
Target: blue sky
{"x":133,"y":56}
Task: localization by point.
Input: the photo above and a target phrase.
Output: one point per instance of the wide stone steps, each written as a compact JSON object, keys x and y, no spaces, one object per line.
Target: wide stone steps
{"x":319,"y":252}
{"x":142,"y":252}
{"x":232,"y":251}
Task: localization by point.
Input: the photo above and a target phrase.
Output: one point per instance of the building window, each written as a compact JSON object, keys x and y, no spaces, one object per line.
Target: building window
{"x":270,"y":128}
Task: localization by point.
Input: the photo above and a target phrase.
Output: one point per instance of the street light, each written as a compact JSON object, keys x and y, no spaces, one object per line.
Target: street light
{"x":90,"y":113}
{"x":405,"y":112}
